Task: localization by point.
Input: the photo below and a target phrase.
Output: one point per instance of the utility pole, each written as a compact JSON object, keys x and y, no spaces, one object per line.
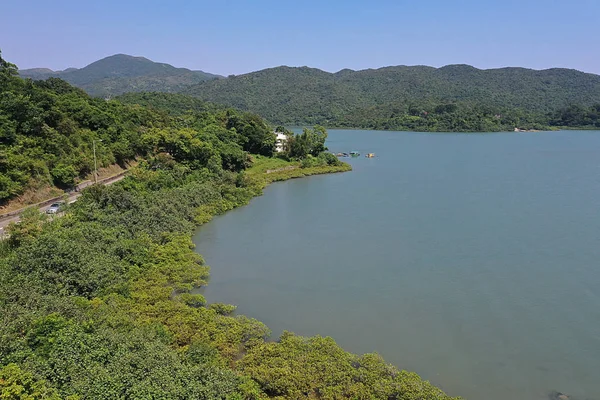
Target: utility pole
{"x":95,"y":162}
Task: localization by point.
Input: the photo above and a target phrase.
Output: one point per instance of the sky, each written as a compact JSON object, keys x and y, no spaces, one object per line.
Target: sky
{"x":234,"y":37}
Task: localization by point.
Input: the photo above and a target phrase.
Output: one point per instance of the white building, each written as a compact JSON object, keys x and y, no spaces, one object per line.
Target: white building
{"x":280,"y":141}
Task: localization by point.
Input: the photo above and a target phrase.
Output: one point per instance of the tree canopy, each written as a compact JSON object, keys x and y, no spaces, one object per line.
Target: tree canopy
{"x":101,"y":302}
{"x":47,"y":130}
{"x":451,"y":98}
{"x":121,"y":73}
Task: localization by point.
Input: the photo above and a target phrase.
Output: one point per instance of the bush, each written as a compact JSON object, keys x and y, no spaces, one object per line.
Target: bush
{"x":8,"y":187}
{"x":311,"y":161}
{"x":64,"y":175}
{"x":18,"y":384}
{"x":193,"y":300}
{"x":223,"y":309}
{"x":329,"y":159}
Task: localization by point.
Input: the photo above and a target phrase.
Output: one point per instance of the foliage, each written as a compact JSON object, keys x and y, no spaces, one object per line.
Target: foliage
{"x":48,"y":129}
{"x":28,"y":228}
{"x":260,"y":138}
{"x":63,"y":175}
{"x":451,"y":98}
{"x":329,"y":159}
{"x":102,"y":302}
{"x":316,"y":367}
{"x":223,"y":309}
{"x":577,"y":116}
{"x":16,"y":384}
{"x":268,"y":170}
{"x":51,"y":126}
{"x":172,"y":103}
{"x":309,"y":142}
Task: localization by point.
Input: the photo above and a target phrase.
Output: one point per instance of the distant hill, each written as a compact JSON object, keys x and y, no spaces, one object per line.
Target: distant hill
{"x":122,"y":73}
{"x":303,"y":95}
{"x":172,"y":103}
{"x":450,"y":98}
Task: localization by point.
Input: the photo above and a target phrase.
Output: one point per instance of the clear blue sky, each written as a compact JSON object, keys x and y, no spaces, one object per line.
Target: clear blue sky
{"x":234,"y":37}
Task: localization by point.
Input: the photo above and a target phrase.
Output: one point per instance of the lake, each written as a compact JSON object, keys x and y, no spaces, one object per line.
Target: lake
{"x":472,"y":259}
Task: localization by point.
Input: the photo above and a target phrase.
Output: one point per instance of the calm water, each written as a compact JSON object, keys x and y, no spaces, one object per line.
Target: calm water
{"x":473,"y":259}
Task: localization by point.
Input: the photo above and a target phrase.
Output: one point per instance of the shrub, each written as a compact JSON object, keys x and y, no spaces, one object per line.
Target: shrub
{"x":223,"y":309}
{"x":63,"y":175}
{"x":329,"y":159}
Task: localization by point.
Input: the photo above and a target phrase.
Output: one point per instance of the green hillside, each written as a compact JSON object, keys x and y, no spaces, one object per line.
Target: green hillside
{"x":98,"y":303}
{"x":121,"y":73}
{"x":392,"y":97}
{"x":47,"y":131}
{"x":172,"y":103}
{"x":451,"y":98}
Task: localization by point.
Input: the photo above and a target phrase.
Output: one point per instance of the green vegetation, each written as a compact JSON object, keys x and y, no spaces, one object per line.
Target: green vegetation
{"x":586,"y":117}
{"x":98,"y":304}
{"x":172,"y":103}
{"x":121,"y":73}
{"x":452,"y":98}
{"x":48,"y":128}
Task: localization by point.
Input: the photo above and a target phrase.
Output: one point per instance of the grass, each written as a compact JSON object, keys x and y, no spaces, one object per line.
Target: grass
{"x":267,"y":170}
{"x":262,"y":164}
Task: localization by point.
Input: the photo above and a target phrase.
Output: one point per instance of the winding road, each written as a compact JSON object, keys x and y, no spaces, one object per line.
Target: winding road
{"x":7,"y":219}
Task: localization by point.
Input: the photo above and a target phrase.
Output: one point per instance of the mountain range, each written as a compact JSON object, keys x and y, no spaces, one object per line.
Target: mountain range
{"x":297,"y":95}
{"x":384,"y":98}
{"x":122,"y":73}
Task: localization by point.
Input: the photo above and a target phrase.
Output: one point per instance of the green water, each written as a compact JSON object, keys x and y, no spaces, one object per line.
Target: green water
{"x":472,"y":259}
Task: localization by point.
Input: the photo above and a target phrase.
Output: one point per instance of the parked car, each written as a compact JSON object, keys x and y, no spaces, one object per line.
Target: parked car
{"x":54,"y":208}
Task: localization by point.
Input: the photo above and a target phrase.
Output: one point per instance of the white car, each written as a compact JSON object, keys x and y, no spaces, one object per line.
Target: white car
{"x":54,"y":208}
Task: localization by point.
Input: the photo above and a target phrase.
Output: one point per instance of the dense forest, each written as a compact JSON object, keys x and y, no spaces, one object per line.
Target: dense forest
{"x":424,"y":116}
{"x":48,"y":130}
{"x":122,"y":73}
{"x":98,"y":303}
{"x":451,"y":98}
{"x":175,"y":104}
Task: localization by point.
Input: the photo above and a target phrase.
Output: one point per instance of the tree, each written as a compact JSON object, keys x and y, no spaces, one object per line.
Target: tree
{"x":64,"y":175}
{"x":7,"y":68}
{"x":16,"y":384}
{"x":309,"y":142}
{"x":259,"y":139}
{"x":29,"y":227}
{"x":317,"y":137}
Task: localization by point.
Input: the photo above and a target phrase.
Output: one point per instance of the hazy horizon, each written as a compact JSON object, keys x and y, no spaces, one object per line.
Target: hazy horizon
{"x":304,"y":66}
{"x":237,"y":37}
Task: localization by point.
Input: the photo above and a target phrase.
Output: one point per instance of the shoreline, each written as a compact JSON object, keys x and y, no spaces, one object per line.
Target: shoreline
{"x":547,"y":129}
{"x":281,"y":175}
{"x":158,"y":293}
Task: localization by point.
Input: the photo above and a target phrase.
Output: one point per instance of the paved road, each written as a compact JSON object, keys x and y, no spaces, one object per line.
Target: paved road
{"x":72,"y":198}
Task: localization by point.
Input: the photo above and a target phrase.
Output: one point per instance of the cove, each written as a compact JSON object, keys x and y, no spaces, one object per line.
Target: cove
{"x":471,"y":259}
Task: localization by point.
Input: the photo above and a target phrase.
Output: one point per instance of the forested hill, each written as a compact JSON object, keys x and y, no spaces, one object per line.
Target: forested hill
{"x":48,"y":128}
{"x":122,"y":73}
{"x":305,"y":95}
{"x":452,"y":98}
{"x":98,"y":304}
